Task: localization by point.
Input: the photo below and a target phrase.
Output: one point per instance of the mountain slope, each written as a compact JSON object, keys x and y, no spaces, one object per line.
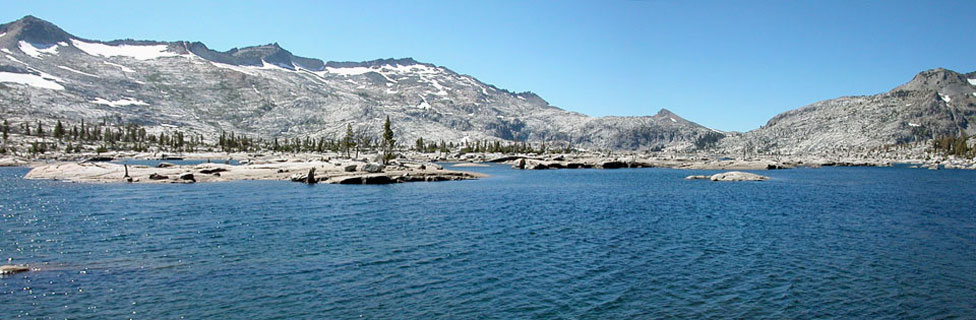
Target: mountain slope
{"x":47,"y":73}
{"x":936,"y":103}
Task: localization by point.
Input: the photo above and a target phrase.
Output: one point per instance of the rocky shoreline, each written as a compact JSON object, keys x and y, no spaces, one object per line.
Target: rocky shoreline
{"x":316,"y":171}
{"x":408,"y":167}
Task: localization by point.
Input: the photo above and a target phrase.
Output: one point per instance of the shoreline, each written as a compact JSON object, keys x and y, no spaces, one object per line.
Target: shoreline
{"x":310,"y":172}
{"x":409,"y":167}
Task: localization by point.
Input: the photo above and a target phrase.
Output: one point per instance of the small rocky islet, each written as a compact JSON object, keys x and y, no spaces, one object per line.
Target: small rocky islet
{"x":298,"y":170}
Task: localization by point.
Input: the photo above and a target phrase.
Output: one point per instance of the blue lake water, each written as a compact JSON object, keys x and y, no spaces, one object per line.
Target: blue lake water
{"x":596,"y":244}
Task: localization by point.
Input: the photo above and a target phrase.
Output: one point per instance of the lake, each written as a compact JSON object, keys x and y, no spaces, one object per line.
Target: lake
{"x":593,"y":244}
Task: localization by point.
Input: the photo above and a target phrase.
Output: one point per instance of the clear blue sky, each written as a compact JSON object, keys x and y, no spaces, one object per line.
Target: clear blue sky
{"x":729,"y":65}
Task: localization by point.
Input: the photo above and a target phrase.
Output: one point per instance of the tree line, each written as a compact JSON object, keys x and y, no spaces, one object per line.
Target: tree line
{"x":103,"y":137}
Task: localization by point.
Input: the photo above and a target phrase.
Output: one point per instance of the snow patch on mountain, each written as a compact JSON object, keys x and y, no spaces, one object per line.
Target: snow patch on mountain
{"x":350,"y":71}
{"x":972,"y":82}
{"x":35,"y":51}
{"x":147,"y":52}
{"x":15,"y":59}
{"x":30,"y":80}
{"x":79,"y":72}
{"x":119,"y":103}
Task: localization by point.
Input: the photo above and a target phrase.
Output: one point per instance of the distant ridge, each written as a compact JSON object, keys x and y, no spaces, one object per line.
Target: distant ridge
{"x":267,"y":91}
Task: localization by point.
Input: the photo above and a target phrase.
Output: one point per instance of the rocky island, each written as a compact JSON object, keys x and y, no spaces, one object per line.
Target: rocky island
{"x":314,"y":171}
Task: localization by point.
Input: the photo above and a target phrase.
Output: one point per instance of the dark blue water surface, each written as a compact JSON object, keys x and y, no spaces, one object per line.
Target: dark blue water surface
{"x":597,"y":244}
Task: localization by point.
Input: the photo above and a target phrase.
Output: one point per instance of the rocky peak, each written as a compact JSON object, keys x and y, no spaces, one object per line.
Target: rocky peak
{"x":935,"y":79}
{"x":666,"y":116}
{"x":34,"y":30}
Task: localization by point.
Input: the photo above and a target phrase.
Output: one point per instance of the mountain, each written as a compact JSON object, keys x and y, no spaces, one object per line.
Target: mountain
{"x":266,"y":91}
{"x":936,"y":103}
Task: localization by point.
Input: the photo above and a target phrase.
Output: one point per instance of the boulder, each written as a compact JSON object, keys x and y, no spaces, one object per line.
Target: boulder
{"x":12,"y":268}
{"x":187,"y":177}
{"x":164,"y":165}
{"x":697,"y":177}
{"x":519,"y":164}
{"x":349,"y":168}
{"x":373,"y":167}
{"x":737,"y":176}
{"x":415,"y":166}
{"x":98,"y":159}
{"x":612,"y":165}
{"x":212,"y":171}
{"x":308,"y":177}
{"x":156,"y":176}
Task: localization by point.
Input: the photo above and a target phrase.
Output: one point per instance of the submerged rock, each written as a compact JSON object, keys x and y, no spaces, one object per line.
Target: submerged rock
{"x":737,"y":176}
{"x":697,"y":177}
{"x":11,"y":269}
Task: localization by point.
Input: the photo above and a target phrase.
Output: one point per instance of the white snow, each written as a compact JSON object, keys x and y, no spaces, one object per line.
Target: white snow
{"x":945,"y":97}
{"x":46,"y":75}
{"x":35,"y":51}
{"x":351,"y":71}
{"x":79,"y":72}
{"x":120,"y":103}
{"x":124,"y":68}
{"x":2,"y":34}
{"x":28,"y":49}
{"x":974,"y":94}
{"x":672,"y":120}
{"x":414,"y":68}
{"x":440,"y":88}
{"x":232,"y":67}
{"x":147,"y":52}
{"x":914,"y":125}
{"x":972,"y":82}
{"x":423,"y":103}
{"x":6,"y":51}
{"x":30,"y":80}
{"x":15,"y":59}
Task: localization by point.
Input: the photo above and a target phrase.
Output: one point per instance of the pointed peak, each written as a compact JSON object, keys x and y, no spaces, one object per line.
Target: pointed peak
{"x":35,"y":30}
{"x":665,"y":112}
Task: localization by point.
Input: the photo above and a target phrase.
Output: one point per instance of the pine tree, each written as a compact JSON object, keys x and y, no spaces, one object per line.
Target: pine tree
{"x":59,"y":130}
{"x":388,"y":141}
{"x":5,"y":129}
{"x":420,"y":145}
{"x":40,"y":130}
{"x":347,"y":141}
